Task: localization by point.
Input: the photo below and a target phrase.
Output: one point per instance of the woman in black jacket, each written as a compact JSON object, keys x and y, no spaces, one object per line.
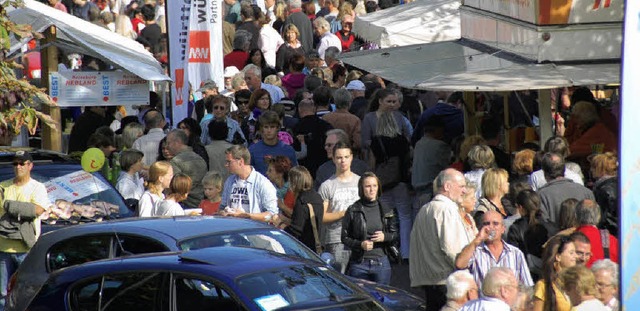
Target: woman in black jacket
{"x":301,"y":227}
{"x":368,"y":229}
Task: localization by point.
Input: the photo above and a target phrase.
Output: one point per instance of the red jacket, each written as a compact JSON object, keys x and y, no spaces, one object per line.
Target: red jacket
{"x":597,"y":252}
{"x":236,"y":58}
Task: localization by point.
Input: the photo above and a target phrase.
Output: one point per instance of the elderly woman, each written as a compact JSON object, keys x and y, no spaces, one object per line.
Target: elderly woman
{"x":368,"y":227}
{"x":580,"y":285}
{"x":218,"y":106}
{"x":606,"y":274}
{"x":306,"y":201}
{"x":604,"y":170}
{"x":467,"y":206}
{"x":480,"y":159}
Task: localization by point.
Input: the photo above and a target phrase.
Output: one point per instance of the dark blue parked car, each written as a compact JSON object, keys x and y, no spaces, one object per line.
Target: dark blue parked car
{"x":220,"y":278}
{"x":76,"y":245}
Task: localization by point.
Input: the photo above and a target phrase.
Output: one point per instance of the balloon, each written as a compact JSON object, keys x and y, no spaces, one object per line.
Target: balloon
{"x":92,"y":160}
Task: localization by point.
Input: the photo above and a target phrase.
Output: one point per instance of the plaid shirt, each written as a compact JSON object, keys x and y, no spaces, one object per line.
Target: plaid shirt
{"x":511,"y":257}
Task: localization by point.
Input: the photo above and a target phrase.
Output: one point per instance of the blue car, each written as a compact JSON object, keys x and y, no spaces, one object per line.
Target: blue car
{"x":76,"y":245}
{"x":220,"y":278}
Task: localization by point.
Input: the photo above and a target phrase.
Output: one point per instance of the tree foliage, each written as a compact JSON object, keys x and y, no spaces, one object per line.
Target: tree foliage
{"x":19,"y":99}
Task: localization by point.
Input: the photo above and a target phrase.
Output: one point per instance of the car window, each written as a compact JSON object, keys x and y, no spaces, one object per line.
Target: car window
{"x":129,"y":245}
{"x":197,"y":295}
{"x":300,"y":287}
{"x":78,"y":250}
{"x":116,"y":292}
{"x":269,"y":239}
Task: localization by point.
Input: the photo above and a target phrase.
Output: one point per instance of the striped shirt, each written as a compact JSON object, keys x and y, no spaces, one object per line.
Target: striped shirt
{"x":511,"y":257}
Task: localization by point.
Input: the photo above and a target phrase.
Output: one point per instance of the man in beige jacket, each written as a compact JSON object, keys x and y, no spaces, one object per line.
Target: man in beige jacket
{"x":437,"y":237}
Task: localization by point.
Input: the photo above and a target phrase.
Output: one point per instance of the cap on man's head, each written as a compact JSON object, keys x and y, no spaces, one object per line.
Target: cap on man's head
{"x":207,"y":85}
{"x":230,"y":71}
{"x":313,"y":55}
{"x":356,"y":85}
{"x":22,"y":156}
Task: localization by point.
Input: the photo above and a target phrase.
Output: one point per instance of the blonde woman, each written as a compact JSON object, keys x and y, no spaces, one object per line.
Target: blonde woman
{"x":160,"y":175}
{"x":467,"y":206}
{"x":580,"y":285}
{"x":480,"y":158}
{"x":179,"y":190}
{"x":495,"y":185}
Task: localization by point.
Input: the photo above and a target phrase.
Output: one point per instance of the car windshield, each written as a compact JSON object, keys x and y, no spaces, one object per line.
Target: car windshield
{"x":269,"y":239}
{"x":77,"y":196}
{"x":302,"y":286}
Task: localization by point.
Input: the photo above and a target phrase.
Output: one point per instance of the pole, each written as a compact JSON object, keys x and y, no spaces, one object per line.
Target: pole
{"x":51,"y":138}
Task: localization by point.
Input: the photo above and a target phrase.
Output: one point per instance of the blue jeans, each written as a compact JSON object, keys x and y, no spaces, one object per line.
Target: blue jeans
{"x":400,"y":199}
{"x":376,"y":270}
{"x":9,"y":263}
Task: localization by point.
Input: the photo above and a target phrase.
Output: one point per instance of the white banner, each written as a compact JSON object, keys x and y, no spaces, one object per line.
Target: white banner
{"x":205,"y":42}
{"x":178,"y":13}
{"x":95,"y":88}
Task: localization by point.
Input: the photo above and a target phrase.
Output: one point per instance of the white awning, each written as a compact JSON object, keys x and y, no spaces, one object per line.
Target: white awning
{"x":421,"y":21}
{"x":77,"y":35}
{"x":464,"y":65}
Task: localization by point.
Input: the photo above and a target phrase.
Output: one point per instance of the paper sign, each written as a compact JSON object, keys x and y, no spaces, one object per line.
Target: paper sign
{"x":74,"y":186}
{"x":271,"y":302}
{"x":94,"y":88}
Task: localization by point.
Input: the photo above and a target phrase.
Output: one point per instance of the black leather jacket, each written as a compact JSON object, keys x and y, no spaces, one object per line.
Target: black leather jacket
{"x":605,"y":191}
{"x":354,"y":229}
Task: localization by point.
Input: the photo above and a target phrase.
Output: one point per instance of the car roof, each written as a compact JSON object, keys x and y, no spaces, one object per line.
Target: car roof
{"x":39,"y":155}
{"x":221,"y":262}
{"x":178,"y":227}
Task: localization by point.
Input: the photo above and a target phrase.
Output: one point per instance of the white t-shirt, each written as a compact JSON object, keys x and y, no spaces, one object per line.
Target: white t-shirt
{"x":169,"y":207}
{"x":148,"y":204}
{"x":239,"y":196}
{"x":340,"y":195}
{"x":33,"y":192}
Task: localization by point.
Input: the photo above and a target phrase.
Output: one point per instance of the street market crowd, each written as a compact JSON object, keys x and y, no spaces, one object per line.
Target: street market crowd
{"x":363,"y":169}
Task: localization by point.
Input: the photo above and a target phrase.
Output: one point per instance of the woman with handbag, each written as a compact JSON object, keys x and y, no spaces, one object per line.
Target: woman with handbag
{"x":369,"y":229}
{"x":308,"y":211}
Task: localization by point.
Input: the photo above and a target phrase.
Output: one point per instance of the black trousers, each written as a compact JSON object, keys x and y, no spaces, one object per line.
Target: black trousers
{"x":435,"y":296}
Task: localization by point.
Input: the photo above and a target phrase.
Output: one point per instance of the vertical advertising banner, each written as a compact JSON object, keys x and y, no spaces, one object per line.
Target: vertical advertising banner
{"x":205,"y":42}
{"x":630,"y":160}
{"x":178,"y":15}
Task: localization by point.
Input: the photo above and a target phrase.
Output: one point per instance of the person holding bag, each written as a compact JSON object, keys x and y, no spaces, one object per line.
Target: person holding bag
{"x":369,"y":229}
{"x":308,"y":210}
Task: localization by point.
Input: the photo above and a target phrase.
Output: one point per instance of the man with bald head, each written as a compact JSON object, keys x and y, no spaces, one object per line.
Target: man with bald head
{"x":437,"y":237}
{"x":488,"y":250}
{"x":499,"y":292}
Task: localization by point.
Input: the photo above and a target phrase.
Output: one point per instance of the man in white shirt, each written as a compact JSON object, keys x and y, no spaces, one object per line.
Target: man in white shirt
{"x":322,"y":29}
{"x":17,"y":191}
{"x":150,"y":142}
{"x":247,"y":193}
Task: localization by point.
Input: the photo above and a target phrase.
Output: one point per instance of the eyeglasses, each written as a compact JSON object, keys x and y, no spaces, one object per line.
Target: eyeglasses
{"x":329,"y":145}
{"x":20,"y":163}
{"x":242,"y":102}
{"x":602,"y":285}
{"x":583,"y":254}
{"x":219,"y":107}
{"x":488,"y":223}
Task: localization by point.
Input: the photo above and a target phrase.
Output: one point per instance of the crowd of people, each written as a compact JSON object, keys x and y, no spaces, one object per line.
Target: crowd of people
{"x":375,"y":174}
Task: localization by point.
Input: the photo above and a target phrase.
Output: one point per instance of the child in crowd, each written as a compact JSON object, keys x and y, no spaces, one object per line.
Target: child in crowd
{"x":179,"y":187}
{"x":212,"y":183}
{"x":160,"y":176}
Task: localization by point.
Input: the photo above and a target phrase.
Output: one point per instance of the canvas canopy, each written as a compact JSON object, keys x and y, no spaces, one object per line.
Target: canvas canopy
{"x":421,"y":21}
{"x":79,"y":36}
{"x":464,"y":65}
